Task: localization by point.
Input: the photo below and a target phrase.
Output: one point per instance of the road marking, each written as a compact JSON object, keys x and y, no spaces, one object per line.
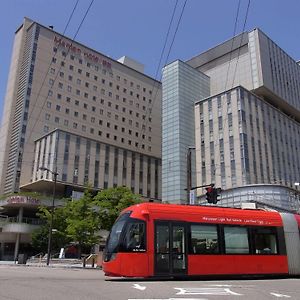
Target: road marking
{"x":280,"y":295}
{"x":206,"y":291}
{"x":169,"y":299}
{"x":139,"y":287}
{"x":221,"y":285}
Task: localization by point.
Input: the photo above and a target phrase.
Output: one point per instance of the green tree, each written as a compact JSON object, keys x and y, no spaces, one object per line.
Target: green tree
{"x":82,"y":222}
{"x":59,"y":235}
{"x":111,"y":202}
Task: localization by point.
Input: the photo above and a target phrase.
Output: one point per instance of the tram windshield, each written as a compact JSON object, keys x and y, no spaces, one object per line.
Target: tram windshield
{"x":115,"y":234}
{"x":127,"y":235}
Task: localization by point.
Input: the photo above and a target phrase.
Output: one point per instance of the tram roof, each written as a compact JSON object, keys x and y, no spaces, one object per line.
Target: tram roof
{"x":205,"y":214}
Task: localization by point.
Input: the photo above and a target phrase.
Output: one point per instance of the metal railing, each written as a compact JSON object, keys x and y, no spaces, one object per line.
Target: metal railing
{"x":31,"y":221}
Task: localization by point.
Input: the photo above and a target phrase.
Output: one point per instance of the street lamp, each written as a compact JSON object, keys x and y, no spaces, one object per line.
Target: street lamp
{"x":52,"y":211}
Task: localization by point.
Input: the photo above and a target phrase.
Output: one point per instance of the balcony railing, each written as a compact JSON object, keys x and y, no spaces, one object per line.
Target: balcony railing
{"x":30,"y":221}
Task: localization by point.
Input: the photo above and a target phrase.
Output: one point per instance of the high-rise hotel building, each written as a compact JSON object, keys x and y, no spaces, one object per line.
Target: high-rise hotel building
{"x":247,"y":130}
{"x":77,"y":112}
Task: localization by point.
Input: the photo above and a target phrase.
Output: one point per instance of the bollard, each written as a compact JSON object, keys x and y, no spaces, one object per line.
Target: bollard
{"x":93,"y":262}
{"x":84,"y":261}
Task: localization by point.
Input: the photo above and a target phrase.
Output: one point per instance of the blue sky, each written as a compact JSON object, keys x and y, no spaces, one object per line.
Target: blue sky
{"x":137,"y":28}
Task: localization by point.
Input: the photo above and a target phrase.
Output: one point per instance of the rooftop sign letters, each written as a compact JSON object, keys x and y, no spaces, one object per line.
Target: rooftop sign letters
{"x":94,"y":58}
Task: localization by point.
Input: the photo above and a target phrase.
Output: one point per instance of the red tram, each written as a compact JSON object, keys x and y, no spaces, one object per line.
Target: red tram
{"x":155,"y":240}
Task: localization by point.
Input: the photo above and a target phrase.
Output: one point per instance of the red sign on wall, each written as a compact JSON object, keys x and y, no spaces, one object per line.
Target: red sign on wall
{"x":23,"y":200}
{"x":77,"y":51}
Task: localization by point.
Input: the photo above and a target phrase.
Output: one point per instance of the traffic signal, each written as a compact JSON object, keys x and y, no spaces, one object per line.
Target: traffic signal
{"x":209,"y":194}
{"x":216,"y":193}
{"x":212,"y":194}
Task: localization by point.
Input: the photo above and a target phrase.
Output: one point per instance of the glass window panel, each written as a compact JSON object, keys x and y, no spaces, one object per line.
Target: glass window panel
{"x":236,"y":240}
{"x":265,"y":241}
{"x":204,"y":239}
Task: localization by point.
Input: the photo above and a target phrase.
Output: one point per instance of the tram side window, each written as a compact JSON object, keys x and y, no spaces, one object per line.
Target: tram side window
{"x":135,"y":239}
{"x":236,"y":240}
{"x":265,"y":241}
{"x":204,"y":239}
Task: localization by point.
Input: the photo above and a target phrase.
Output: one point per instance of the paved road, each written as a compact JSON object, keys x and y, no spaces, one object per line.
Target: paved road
{"x":38,"y":283}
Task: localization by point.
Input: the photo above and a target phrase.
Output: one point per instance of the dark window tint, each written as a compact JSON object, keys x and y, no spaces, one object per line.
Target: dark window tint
{"x":265,"y":241}
{"x":204,"y":239}
{"x":135,"y":239}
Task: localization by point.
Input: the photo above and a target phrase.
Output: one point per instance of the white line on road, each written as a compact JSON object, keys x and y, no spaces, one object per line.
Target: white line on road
{"x":139,"y":287}
{"x":280,"y":295}
{"x":206,"y":291}
{"x":169,"y":299}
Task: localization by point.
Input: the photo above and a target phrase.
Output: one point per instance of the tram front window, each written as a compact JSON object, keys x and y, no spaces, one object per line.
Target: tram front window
{"x":113,"y":240}
{"x":134,"y":239}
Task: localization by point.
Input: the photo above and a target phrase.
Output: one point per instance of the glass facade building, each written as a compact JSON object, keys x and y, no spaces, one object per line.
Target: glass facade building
{"x":182,"y":86}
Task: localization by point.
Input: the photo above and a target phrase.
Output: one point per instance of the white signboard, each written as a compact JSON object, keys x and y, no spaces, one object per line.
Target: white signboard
{"x":192,"y":197}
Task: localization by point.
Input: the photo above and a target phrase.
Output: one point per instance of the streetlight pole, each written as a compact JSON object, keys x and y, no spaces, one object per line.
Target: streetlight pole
{"x":189,"y":171}
{"x":51,"y":213}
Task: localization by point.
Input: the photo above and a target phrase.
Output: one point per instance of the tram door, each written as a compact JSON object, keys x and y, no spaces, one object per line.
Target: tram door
{"x":170,"y":248}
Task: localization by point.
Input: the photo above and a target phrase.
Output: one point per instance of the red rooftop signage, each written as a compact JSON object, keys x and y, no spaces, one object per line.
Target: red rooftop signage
{"x":22,"y":200}
{"x":77,"y":51}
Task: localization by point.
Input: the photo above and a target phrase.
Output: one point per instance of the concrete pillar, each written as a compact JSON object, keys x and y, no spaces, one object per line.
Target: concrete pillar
{"x":1,"y":250}
{"x":20,"y":215}
{"x":17,"y":246}
{"x":18,"y":236}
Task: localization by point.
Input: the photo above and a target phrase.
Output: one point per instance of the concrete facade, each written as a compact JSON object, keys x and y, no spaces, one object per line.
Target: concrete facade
{"x":247,"y":129}
{"x":56,"y":83}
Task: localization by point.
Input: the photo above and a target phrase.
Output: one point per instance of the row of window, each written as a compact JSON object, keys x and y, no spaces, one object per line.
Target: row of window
{"x":262,"y":153}
{"x":214,"y":239}
{"x":102,"y":91}
{"x":101,"y":112}
{"x":102,"y":101}
{"x":96,"y":68}
{"x":210,"y":239}
{"x":116,"y":138}
{"x":75,"y":165}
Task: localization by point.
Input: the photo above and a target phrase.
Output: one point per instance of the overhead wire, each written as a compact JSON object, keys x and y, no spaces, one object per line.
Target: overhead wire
{"x":224,"y":121}
{"x":151,"y":105}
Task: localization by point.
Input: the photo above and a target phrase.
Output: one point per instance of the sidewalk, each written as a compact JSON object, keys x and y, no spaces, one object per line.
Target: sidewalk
{"x":54,"y":263}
